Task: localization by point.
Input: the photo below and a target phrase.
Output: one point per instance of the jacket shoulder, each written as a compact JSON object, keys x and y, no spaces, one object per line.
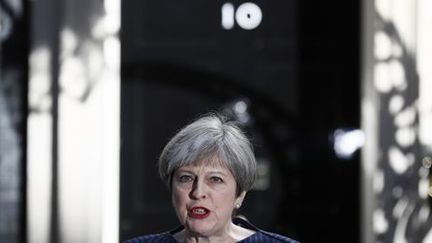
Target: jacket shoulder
{"x":153,"y":238}
{"x":273,"y":237}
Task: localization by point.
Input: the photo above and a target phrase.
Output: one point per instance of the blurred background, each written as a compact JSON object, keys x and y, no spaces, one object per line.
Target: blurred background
{"x":336,"y":97}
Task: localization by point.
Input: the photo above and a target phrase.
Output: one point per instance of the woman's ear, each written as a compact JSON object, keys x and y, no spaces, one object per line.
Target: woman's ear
{"x":240,"y":199}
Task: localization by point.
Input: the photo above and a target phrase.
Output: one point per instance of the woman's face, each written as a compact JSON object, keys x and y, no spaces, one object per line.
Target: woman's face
{"x":204,"y":197}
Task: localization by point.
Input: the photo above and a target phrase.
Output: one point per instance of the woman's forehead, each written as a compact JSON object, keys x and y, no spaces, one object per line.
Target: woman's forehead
{"x":206,"y":164}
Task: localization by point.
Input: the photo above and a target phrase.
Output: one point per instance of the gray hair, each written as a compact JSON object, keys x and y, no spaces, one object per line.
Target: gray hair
{"x":211,"y":137}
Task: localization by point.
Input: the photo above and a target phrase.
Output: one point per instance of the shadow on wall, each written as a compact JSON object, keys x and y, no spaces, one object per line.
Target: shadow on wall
{"x":402,"y":209}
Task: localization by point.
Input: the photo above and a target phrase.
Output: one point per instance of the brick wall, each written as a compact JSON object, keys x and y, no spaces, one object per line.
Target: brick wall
{"x":11,"y":156}
{"x":13,"y":86}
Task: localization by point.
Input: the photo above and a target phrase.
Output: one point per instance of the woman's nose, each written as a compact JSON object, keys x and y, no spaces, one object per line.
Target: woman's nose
{"x":198,"y":190}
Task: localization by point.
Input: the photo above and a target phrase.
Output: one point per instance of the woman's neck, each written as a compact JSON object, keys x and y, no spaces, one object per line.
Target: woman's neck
{"x":211,"y":239}
{"x":233,"y":234}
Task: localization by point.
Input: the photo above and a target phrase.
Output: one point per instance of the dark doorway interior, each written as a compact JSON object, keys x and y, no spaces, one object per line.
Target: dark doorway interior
{"x":297,"y":76}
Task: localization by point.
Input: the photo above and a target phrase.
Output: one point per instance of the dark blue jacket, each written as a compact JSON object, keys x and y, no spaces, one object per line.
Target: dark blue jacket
{"x":260,"y":236}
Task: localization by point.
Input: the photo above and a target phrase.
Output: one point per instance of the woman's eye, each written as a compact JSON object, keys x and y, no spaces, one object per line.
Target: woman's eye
{"x":185,"y":178}
{"x":216,"y":179}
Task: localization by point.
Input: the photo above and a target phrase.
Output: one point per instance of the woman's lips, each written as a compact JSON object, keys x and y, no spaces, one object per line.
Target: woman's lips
{"x":199,"y":212}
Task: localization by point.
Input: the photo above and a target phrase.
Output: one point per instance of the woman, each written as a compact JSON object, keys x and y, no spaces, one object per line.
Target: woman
{"x":209,"y":166}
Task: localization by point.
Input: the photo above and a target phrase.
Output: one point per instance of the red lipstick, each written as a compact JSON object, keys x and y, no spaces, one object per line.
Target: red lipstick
{"x":199,"y":212}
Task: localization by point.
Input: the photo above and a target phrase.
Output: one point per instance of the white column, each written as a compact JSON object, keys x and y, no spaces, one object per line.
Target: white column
{"x":88,"y":126}
{"x":396,"y":90}
{"x":39,"y":144}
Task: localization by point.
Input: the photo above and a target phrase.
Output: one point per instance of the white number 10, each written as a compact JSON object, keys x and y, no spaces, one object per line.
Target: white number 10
{"x":248,"y":16}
